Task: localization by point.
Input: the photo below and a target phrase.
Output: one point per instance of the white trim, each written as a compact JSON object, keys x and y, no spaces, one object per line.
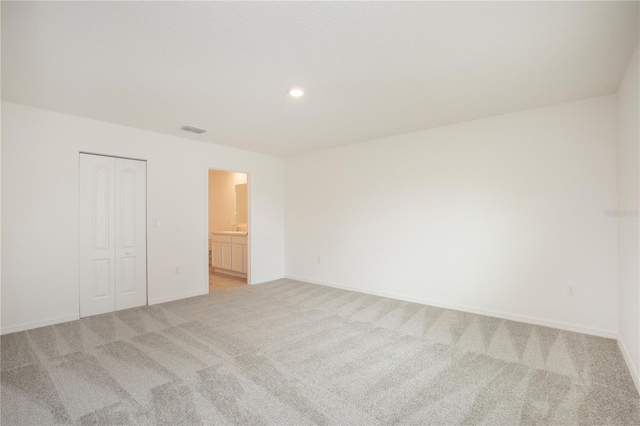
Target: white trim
{"x":627,"y":358}
{"x":178,"y":297}
{"x":67,"y":318}
{"x":37,"y":324}
{"x":269,"y":279}
{"x":498,"y":314}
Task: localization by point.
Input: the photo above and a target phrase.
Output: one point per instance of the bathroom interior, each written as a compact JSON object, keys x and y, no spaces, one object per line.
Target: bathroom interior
{"x":228,"y":230}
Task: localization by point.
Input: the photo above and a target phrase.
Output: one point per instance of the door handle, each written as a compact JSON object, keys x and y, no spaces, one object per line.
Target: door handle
{"x":128,"y":253}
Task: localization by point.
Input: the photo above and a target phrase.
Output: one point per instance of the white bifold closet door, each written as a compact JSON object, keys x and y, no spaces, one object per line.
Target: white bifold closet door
{"x":113,"y":234}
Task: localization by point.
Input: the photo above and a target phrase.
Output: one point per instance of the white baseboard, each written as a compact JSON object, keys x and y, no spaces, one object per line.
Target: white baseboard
{"x":59,"y":320}
{"x":37,"y":324}
{"x":627,"y":358}
{"x":594,"y":331}
{"x":267,"y":280}
{"x":178,"y":297}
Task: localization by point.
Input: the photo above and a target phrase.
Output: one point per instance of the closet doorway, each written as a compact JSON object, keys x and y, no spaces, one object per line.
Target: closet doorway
{"x":113,"y":234}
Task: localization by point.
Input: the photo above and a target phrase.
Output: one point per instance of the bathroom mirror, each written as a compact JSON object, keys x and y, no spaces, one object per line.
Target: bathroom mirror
{"x":241,"y":203}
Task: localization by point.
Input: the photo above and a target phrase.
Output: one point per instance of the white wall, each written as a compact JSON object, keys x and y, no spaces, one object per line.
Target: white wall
{"x":493,"y":216}
{"x":628,"y":229}
{"x":40,"y":210}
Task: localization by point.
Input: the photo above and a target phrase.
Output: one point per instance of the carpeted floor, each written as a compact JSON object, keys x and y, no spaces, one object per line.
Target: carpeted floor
{"x":290,"y":353}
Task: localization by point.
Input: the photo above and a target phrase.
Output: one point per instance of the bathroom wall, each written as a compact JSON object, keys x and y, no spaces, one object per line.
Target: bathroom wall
{"x":496,"y":216}
{"x":222,"y":198}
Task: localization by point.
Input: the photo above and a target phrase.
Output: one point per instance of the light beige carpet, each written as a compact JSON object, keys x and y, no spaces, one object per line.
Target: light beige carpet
{"x":290,"y":353}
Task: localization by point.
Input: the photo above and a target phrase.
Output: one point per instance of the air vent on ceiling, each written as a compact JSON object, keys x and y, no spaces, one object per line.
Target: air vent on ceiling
{"x":193,"y":129}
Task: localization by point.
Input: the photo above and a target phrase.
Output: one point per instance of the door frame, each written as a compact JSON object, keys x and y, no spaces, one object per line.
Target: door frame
{"x":146,"y":221}
{"x":206,"y":221}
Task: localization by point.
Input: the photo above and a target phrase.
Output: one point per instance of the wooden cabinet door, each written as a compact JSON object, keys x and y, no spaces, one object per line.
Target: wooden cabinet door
{"x":237,"y":254}
{"x":225,"y":262}
{"x":245,"y":258}
{"x":216,"y":254}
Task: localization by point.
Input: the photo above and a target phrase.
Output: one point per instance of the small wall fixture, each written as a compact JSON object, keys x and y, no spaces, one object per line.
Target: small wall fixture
{"x":193,"y":129}
{"x":296,"y":92}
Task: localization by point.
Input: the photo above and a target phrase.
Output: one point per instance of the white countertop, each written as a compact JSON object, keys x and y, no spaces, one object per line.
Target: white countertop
{"x":237,"y":233}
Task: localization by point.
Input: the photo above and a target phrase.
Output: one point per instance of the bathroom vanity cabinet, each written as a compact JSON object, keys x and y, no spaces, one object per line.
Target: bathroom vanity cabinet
{"x":229,"y":253}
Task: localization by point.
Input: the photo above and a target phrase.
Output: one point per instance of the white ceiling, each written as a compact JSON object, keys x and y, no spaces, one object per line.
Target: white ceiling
{"x":370,"y":69}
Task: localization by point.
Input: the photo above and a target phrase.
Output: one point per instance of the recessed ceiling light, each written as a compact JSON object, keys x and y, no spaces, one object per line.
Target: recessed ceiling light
{"x":296,"y":92}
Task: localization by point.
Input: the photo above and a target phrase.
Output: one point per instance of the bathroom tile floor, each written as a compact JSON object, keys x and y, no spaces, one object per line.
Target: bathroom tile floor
{"x":221,"y":281}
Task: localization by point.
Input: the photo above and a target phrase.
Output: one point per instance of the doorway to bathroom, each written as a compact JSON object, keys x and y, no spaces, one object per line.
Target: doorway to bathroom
{"x":228,"y":229}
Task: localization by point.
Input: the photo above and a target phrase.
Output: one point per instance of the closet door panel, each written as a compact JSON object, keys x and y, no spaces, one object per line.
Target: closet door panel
{"x":130,"y":233}
{"x":96,"y":233}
